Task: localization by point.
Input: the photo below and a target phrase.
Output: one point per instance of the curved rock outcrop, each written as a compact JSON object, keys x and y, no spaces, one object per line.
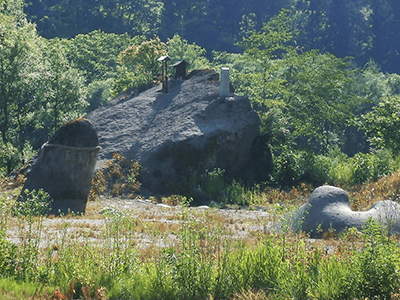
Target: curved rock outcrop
{"x":328,"y":211}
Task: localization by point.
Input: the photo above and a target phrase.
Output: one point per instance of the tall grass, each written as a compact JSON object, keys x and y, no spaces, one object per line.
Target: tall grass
{"x":206,"y":262}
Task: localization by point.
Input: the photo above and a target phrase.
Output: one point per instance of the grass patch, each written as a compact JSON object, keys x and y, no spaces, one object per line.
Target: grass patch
{"x":199,"y":254}
{"x":10,"y":289}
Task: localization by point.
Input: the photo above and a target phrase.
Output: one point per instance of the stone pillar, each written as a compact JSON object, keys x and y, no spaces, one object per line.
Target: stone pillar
{"x":65,"y":165}
{"x":224,"y":86}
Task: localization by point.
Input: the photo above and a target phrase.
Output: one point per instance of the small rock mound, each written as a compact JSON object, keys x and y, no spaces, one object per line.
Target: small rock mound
{"x":328,"y":211}
{"x":64,"y":166}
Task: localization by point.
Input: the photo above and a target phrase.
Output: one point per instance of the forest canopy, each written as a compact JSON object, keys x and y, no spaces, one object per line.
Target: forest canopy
{"x":363,"y":29}
{"x":322,"y":75}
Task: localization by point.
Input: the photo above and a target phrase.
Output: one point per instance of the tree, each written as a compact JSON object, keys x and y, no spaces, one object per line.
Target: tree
{"x":138,"y":65}
{"x":96,"y":52}
{"x":193,"y":54}
{"x":319,"y":100}
{"x":67,"y":18}
{"x":301,"y":97}
{"x":382,"y":124}
{"x":20,"y":65}
{"x":263,"y":49}
{"x":66,"y":94}
{"x":95,"y":55}
{"x":38,"y":88}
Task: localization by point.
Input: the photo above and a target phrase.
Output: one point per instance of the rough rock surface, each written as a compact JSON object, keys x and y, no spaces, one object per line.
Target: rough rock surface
{"x":328,"y":211}
{"x":179,"y":134}
{"x":64,"y":166}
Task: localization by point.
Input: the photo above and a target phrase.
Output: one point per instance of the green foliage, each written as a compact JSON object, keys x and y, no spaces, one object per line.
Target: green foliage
{"x":336,"y":168}
{"x":22,"y":261}
{"x":96,"y":53}
{"x":8,"y":155}
{"x":319,"y":102}
{"x":66,"y":92}
{"x":139,"y":65}
{"x":272,"y":40}
{"x":236,"y":194}
{"x":378,"y":264}
{"x":371,"y":166}
{"x":214,"y":183}
{"x":180,"y":49}
{"x":304,"y":99}
{"x":145,"y":55}
{"x":39,"y":89}
{"x":8,"y":251}
{"x":295,"y":167}
{"x":61,"y":19}
{"x":99,"y":92}
{"x":20,"y":63}
{"x":11,"y":289}
{"x":33,"y":203}
{"x":8,"y":258}
{"x":382,"y":123}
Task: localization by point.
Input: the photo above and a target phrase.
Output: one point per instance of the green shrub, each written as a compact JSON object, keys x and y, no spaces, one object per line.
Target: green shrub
{"x":371,"y":166}
{"x":236,"y":194}
{"x":33,"y":203}
{"x":214,"y":183}
{"x":295,"y":167}
{"x":378,"y":264}
{"x":8,"y":258}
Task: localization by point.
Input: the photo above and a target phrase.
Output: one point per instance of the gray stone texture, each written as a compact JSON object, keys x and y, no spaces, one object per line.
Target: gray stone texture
{"x":64,"y":166}
{"x":179,"y":134}
{"x":328,"y":211}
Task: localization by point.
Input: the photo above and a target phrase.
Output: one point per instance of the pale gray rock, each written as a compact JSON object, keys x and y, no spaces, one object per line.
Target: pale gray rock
{"x":328,"y":211}
{"x":64,"y":167}
{"x":177,"y":136}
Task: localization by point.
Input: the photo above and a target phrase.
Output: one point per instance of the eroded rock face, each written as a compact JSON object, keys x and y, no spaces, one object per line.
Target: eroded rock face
{"x":64,"y":166}
{"x":328,"y":211}
{"x":179,"y":135}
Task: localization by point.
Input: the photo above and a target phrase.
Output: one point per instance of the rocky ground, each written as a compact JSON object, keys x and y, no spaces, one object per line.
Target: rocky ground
{"x":154,"y":223}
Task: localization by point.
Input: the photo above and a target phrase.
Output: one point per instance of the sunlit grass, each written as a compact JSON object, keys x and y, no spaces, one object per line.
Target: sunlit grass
{"x":130,"y":254}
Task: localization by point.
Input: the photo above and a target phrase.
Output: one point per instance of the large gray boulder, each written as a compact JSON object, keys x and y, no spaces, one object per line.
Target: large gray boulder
{"x":328,"y":211}
{"x":64,"y":167}
{"x":179,"y":135}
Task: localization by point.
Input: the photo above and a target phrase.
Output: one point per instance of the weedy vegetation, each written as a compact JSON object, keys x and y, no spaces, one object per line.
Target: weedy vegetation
{"x":193,"y":254}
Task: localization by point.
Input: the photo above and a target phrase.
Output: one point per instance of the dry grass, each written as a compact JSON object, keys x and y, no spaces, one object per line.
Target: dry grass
{"x":387,"y":188}
{"x":118,"y":178}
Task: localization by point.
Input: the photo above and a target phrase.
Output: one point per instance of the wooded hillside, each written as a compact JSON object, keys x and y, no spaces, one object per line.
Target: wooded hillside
{"x":325,"y":117}
{"x":363,"y":29}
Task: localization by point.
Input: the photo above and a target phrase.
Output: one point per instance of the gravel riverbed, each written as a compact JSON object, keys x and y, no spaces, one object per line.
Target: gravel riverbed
{"x":156,"y":224}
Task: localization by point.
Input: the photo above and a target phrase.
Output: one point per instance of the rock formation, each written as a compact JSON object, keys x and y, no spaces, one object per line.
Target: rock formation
{"x":179,"y":135}
{"x":328,"y":211}
{"x":64,"y":166}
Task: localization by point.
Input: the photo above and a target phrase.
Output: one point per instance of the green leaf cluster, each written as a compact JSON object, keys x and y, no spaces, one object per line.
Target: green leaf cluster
{"x":39,"y":89}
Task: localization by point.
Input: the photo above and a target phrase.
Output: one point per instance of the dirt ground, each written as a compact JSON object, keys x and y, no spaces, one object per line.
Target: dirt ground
{"x":154,"y":224}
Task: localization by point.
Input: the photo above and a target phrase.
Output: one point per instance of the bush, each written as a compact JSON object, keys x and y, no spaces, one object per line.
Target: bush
{"x":120,"y":177}
{"x":33,"y":203}
{"x":371,"y":166}
{"x":236,"y":194}
{"x":378,"y":264}
{"x":295,"y":167}
{"x":214,"y":183}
